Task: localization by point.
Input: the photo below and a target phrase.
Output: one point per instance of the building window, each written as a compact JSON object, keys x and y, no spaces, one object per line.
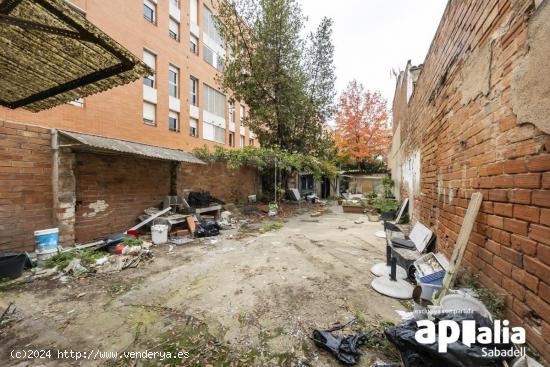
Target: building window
{"x":194,"y":44}
{"x":173,"y":121}
{"x":175,"y":3}
{"x":220,"y":63}
{"x":173,"y":81}
{"x":149,"y":10}
{"x":219,"y":134}
{"x":210,"y":27}
{"x":149,"y":113}
{"x":232,"y":111}
{"x":193,"y":11}
{"x":241,"y":115}
{"x":193,"y":91}
{"x":214,"y":101}
{"x":208,"y":55}
{"x":150,"y":59}
{"x":174,"y":29}
{"x":231,"y":139}
{"x":242,"y":141}
{"x":193,"y":123}
{"x":250,"y":141}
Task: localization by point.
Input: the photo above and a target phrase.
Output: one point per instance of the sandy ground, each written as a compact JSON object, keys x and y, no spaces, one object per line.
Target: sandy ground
{"x":264,"y":293}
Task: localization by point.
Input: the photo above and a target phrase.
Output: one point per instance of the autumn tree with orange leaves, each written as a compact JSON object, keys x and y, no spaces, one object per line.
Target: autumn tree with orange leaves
{"x":361,"y":124}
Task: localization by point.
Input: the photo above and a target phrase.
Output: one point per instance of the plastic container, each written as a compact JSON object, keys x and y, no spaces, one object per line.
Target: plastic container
{"x":12,"y":266}
{"x":159,"y":234}
{"x":47,"y":241}
{"x":428,"y":288}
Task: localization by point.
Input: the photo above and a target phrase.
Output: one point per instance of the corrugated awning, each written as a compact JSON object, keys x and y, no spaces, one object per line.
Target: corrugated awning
{"x":50,"y":55}
{"x":100,"y":143}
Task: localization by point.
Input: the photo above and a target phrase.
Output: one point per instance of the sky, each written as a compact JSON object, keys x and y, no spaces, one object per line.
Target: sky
{"x":372,"y":37}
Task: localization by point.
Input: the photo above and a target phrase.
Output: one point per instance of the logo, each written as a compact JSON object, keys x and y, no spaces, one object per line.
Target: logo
{"x":448,"y":331}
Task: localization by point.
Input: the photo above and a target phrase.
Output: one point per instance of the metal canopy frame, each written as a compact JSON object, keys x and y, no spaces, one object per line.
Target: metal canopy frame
{"x":81,"y":34}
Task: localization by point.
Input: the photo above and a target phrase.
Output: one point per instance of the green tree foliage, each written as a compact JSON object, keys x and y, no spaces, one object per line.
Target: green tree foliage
{"x":286,"y":80}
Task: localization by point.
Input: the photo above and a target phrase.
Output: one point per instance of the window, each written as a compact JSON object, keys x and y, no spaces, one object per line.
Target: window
{"x":193,"y":123}
{"x":210,"y":26}
{"x":194,"y":44}
{"x":214,"y":101}
{"x":241,"y":115}
{"x":173,"y":121}
{"x":150,"y":59}
{"x":173,"y":81}
{"x":220,"y":63}
{"x":193,"y":91}
{"x":149,"y":10}
{"x":232,"y":111}
{"x":250,"y":141}
{"x":242,"y":141}
{"x":231,"y":139}
{"x":208,"y":55}
{"x":174,"y":29}
{"x":193,"y":11}
{"x":219,"y":134}
{"x":175,"y":3}
{"x":149,"y":113}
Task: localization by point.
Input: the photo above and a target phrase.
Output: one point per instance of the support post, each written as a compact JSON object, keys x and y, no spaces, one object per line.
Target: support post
{"x":55,"y":174}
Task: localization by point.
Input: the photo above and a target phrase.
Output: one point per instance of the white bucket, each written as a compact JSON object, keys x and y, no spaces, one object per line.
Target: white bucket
{"x":47,"y":242}
{"x":159,"y":234}
{"x":46,"y":254}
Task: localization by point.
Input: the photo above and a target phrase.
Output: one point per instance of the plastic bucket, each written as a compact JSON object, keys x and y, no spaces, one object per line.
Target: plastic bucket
{"x":159,"y":234}
{"x":46,"y":240}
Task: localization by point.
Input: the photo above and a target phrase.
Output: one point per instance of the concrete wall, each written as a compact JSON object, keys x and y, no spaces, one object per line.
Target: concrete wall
{"x":466,"y":129}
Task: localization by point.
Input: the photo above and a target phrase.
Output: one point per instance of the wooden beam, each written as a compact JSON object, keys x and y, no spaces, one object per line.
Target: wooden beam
{"x":461,"y":243}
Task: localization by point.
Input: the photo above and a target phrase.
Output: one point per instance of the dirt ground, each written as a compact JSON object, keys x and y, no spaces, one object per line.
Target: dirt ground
{"x":252,"y":301}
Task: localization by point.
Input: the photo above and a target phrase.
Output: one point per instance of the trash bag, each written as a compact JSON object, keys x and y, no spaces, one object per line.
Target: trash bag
{"x":203,"y":199}
{"x":344,"y":348}
{"x":207,"y":228}
{"x":415,"y":354}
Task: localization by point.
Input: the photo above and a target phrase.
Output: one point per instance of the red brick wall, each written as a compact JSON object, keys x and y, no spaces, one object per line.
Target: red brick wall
{"x":112,"y":191}
{"x":223,"y":183}
{"x":25,"y":185}
{"x":461,"y":120}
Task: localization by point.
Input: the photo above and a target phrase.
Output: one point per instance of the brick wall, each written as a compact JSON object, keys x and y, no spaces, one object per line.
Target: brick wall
{"x":112,"y":191}
{"x":223,"y":183}
{"x":25,"y":185}
{"x":462,"y":128}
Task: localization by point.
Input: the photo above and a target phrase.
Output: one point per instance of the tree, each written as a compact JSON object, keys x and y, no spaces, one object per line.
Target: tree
{"x":287,"y":81}
{"x":361,"y":124}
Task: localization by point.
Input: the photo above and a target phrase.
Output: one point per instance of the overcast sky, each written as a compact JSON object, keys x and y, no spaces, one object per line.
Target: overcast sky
{"x":372,"y":37}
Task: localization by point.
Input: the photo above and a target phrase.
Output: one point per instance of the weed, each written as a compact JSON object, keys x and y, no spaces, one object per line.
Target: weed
{"x":408,"y":304}
{"x":494,"y":303}
{"x":271,"y":227}
{"x":132,"y":241}
{"x":62,"y":259}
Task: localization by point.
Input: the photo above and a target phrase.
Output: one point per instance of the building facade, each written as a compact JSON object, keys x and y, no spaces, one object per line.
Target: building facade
{"x":474,"y":118}
{"x":181,"y":106}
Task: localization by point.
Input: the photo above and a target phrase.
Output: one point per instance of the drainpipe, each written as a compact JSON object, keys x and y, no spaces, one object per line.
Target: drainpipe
{"x":55,"y":174}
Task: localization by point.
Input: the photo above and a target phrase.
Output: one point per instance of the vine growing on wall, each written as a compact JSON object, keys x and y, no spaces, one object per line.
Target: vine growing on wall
{"x":265,"y":158}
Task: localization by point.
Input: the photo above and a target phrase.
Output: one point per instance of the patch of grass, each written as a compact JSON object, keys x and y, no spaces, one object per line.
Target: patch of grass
{"x":407,"y":304}
{"x":62,"y":259}
{"x":132,"y":241}
{"x":268,"y":227}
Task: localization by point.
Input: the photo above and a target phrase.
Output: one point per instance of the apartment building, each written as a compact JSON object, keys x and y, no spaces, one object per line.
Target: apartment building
{"x":181,"y":106}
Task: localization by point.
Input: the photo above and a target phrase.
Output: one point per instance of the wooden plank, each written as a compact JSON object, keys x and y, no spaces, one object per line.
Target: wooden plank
{"x":400,"y":214}
{"x":156,"y":215}
{"x":461,"y":243}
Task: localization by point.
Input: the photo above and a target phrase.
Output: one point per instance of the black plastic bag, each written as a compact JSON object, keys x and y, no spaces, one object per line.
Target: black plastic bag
{"x":344,"y":348}
{"x":415,"y":354}
{"x":203,"y":199}
{"x":207,"y":228}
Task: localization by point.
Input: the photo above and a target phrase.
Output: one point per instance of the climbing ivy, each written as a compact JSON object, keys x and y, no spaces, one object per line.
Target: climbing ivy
{"x":264,"y":158}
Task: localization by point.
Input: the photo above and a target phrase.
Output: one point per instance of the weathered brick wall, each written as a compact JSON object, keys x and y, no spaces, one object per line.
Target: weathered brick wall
{"x":223,"y":183}
{"x":25,"y":185}
{"x":463,"y":129}
{"x":112,"y":191}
